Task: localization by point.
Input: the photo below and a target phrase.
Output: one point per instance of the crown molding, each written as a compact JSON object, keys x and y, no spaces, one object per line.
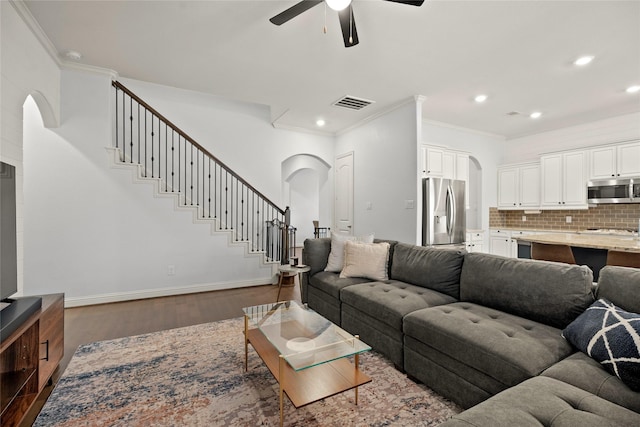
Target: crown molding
{"x":376,"y":115}
{"x":76,"y":66}
{"x":24,"y":12}
{"x":463,"y":129}
{"x":36,"y":29}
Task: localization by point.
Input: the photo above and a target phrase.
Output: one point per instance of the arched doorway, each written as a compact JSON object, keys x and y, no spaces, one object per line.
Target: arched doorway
{"x":305,"y":190}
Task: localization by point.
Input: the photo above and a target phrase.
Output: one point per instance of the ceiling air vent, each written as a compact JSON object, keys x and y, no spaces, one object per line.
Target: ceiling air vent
{"x":352,"y":103}
{"x":513,"y":113}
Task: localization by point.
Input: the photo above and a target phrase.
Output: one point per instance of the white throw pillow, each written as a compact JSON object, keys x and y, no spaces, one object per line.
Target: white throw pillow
{"x":336,"y":256}
{"x":366,"y":260}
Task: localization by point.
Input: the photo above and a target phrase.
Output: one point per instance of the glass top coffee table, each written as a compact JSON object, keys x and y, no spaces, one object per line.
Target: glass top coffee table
{"x":306,"y":353}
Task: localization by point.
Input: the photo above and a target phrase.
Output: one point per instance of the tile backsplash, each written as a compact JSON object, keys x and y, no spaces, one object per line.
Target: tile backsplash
{"x":618,"y":216}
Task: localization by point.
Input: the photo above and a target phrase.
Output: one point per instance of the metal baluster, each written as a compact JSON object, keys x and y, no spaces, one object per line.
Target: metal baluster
{"x":173,"y":158}
{"x":152,"y":148}
{"x":226,"y":200}
{"x":139,"y":134}
{"x":145,"y":142}
{"x":116,"y":132}
{"x":130,"y":129}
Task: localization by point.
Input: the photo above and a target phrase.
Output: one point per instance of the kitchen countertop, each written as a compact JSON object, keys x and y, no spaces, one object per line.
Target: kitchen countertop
{"x":608,"y":242}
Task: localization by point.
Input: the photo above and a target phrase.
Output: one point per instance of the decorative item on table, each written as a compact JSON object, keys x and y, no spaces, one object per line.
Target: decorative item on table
{"x":294,"y":260}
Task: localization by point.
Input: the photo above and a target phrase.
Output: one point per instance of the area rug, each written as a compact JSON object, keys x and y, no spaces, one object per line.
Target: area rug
{"x":195,"y":376}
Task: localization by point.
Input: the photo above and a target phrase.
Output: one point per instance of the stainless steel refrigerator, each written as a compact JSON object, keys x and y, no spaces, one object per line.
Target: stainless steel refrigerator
{"x":443,"y":212}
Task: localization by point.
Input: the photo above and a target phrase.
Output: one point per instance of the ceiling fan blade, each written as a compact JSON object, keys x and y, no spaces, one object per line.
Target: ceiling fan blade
{"x":348,"y":25}
{"x":294,"y":11}
{"x":409,"y":2}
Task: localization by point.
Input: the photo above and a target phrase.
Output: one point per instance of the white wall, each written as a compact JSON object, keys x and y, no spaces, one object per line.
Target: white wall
{"x":487,"y":149}
{"x":384,"y":173}
{"x":305,"y":203}
{"x":92,"y":233}
{"x":614,"y":129}
{"x":25,"y":68}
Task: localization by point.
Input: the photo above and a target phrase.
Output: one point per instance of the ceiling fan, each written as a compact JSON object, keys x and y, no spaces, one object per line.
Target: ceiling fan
{"x":345,"y":14}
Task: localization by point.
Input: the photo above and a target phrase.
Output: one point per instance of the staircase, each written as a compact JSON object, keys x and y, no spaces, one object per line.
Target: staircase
{"x":183,"y":169}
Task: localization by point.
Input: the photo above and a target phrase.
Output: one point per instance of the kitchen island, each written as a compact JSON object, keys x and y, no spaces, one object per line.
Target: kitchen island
{"x":592,"y":250}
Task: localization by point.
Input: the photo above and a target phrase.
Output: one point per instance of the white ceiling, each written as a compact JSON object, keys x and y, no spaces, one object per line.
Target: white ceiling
{"x":519,"y":53}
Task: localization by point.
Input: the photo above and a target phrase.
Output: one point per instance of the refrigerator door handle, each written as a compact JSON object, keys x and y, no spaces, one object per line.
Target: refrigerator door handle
{"x":451,"y":210}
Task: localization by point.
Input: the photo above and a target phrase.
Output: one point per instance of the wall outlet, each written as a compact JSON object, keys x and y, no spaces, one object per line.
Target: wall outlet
{"x":171,"y":270}
{"x":369,"y":206}
{"x":409,"y":204}
{"x":524,"y":218}
{"x":568,"y":219}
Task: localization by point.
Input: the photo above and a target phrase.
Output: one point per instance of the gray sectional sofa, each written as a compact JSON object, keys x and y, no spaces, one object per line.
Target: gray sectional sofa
{"x":484,"y":331}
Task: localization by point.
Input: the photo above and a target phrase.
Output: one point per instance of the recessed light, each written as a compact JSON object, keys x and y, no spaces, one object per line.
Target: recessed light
{"x":583,"y":60}
{"x":320,"y":122}
{"x":535,"y":115}
{"x":633,"y":89}
{"x":480,"y":98}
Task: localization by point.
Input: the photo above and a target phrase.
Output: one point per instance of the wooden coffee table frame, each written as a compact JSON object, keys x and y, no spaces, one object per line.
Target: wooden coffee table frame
{"x":307,"y":385}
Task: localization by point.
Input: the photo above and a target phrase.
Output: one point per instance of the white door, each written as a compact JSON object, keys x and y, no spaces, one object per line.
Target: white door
{"x":344,"y":193}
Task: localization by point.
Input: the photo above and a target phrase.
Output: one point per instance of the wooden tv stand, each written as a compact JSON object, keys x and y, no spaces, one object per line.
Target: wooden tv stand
{"x":29,"y":357}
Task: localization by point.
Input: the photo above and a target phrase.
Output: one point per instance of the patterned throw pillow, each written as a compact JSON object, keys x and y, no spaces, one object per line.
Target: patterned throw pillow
{"x":611,"y":336}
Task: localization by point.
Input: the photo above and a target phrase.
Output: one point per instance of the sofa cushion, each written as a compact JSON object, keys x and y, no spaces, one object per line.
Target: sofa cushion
{"x":583,"y":372}
{"x":433,"y":268}
{"x":502,"y":346}
{"x":335,"y":262}
{"x":390,"y":301}
{"x":547,"y":292}
{"x":543,"y":401}
{"x":368,"y":260}
{"x":621,"y":286}
{"x":611,"y":336}
{"x":315,"y":254}
{"x":332,"y":283}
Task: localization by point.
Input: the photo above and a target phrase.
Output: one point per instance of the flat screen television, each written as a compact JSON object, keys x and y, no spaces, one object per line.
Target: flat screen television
{"x":8,"y":245}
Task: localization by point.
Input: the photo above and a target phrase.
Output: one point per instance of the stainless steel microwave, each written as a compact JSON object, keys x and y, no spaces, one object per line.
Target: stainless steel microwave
{"x":614,"y":191}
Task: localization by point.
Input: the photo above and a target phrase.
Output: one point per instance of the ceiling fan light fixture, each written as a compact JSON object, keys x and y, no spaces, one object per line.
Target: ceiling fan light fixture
{"x":338,"y":5}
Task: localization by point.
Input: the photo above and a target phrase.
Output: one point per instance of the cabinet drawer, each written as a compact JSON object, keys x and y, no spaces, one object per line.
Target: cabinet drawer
{"x":51,"y":336}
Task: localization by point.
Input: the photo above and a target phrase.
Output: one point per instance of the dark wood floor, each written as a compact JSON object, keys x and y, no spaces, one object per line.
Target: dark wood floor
{"x":83,"y":325}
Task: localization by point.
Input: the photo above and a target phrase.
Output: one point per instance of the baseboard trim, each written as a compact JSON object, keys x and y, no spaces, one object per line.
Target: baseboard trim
{"x":70,"y":302}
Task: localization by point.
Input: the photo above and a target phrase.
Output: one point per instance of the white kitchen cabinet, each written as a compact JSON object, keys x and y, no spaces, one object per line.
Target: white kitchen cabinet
{"x":500,"y":243}
{"x":462,"y":167}
{"x":519,"y":186}
{"x":475,"y":241}
{"x":432,"y":161}
{"x":615,"y":161}
{"x":564,"y":180}
{"x":448,"y":165}
{"x":442,"y":163}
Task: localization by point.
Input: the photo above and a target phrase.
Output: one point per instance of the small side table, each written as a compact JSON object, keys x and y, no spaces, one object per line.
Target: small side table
{"x":291,"y":270}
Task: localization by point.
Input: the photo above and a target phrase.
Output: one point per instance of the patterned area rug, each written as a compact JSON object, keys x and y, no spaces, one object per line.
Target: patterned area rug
{"x":195,"y":376}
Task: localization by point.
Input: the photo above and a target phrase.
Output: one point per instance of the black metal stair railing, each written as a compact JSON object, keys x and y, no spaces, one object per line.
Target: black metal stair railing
{"x":144,"y":137}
